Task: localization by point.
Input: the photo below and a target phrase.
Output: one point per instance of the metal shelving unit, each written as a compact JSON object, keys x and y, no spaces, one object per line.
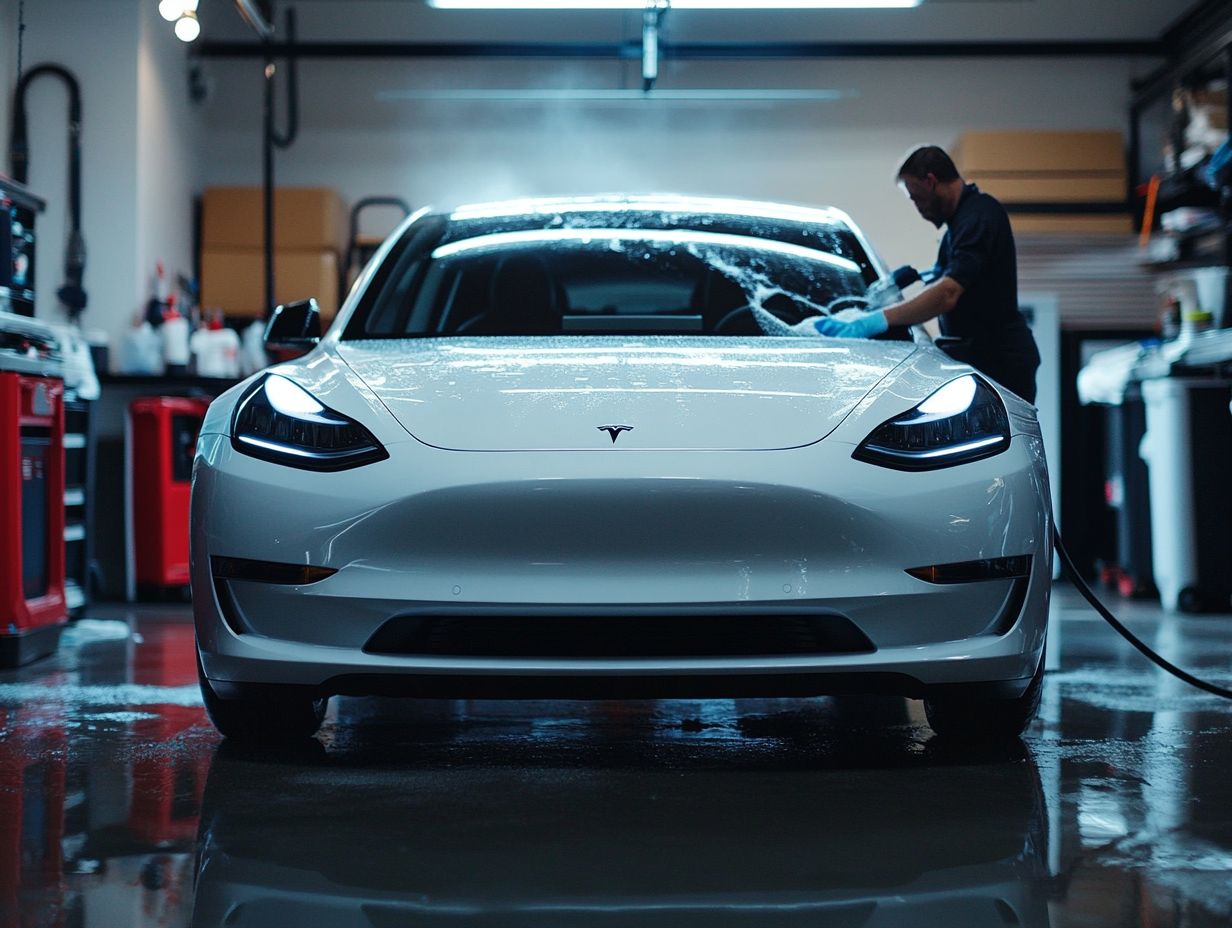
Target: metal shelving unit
{"x":1199,"y":50}
{"x":78,"y":500}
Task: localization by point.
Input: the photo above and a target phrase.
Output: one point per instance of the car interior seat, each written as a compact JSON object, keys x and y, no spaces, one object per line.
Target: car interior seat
{"x":523,"y":299}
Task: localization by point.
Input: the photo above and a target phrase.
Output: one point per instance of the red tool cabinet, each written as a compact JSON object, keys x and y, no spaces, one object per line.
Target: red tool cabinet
{"x":162,"y":441}
{"x":32,"y":605}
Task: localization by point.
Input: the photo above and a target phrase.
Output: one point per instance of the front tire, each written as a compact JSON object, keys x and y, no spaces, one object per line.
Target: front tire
{"x":957,"y":719}
{"x":273,"y":714}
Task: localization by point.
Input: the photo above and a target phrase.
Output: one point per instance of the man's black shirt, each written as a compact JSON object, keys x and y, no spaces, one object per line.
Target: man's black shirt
{"x":977,"y":251}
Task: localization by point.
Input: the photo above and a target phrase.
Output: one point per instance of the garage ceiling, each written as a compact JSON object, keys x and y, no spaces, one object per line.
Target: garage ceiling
{"x":933,"y":21}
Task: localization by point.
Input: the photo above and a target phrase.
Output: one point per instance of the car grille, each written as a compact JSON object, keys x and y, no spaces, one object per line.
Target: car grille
{"x":628,"y":637}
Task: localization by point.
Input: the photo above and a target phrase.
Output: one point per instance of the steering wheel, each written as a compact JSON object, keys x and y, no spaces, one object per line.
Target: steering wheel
{"x":473,"y":322}
{"x":730,"y":317}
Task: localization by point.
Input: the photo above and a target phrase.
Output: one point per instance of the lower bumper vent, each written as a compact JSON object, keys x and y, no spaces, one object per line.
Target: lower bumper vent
{"x":628,"y":637}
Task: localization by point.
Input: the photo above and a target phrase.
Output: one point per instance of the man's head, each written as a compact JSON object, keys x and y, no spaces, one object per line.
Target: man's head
{"x":932,"y":183}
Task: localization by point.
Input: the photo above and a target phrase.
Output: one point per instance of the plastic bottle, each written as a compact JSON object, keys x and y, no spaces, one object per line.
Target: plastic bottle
{"x":216,"y":350}
{"x":174,"y":334}
{"x":156,"y":305}
{"x":1170,"y":318}
{"x":254,"y":348}
{"x":141,"y":351}
{"x":1194,"y":322}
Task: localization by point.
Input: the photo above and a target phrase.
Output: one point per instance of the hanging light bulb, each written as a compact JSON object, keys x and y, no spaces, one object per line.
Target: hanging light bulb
{"x":171,"y":10}
{"x":187,"y":28}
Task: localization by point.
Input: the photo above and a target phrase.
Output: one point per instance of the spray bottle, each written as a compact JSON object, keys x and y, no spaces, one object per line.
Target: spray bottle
{"x":216,"y":349}
{"x":174,"y":334}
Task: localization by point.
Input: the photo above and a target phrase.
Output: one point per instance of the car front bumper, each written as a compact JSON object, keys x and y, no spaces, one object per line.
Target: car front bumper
{"x":518,"y":537}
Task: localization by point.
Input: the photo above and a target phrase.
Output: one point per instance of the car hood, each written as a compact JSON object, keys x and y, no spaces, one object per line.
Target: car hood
{"x":605,"y":393}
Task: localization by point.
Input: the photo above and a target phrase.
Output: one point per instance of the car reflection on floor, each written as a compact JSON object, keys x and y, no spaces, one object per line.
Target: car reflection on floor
{"x":495,"y":819}
{"x":119,"y":805}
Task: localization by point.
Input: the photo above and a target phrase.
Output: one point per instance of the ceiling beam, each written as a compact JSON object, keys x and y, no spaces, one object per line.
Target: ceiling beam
{"x":683,"y":51}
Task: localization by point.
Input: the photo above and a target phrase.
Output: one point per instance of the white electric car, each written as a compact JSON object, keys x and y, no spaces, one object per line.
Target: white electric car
{"x":572,"y":448}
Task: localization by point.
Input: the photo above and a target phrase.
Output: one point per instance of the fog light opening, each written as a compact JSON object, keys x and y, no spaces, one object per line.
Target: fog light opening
{"x":1000,"y":568}
{"x":238,"y":568}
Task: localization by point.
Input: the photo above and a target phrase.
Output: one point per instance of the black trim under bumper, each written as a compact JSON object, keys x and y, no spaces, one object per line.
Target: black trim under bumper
{"x":634,"y":686}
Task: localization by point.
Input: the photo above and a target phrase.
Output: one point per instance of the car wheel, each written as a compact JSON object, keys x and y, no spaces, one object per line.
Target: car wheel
{"x":274,"y":714}
{"x":957,"y":719}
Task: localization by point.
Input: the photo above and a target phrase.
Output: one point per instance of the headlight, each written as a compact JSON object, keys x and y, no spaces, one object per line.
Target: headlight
{"x":963,"y":421}
{"x":282,"y":422}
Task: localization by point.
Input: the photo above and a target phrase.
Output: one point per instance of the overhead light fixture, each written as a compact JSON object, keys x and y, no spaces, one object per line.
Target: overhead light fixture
{"x":171,"y":10}
{"x":673,"y":4}
{"x":259,"y":14}
{"x":187,"y":27}
{"x":636,"y":97}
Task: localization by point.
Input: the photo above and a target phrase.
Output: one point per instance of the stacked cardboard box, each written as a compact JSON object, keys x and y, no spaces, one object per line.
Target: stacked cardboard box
{"x":1068,"y":182}
{"x":309,"y":231}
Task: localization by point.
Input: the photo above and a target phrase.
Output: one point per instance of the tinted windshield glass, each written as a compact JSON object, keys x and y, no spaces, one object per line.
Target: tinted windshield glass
{"x":610,"y":281}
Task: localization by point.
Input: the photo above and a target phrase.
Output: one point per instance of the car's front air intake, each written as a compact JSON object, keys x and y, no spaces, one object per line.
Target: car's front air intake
{"x":618,"y":637}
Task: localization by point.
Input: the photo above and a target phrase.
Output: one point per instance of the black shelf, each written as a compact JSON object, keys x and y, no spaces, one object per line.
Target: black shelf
{"x":78,"y":500}
{"x":1167,"y":266}
{"x":1199,"y":52}
{"x":166,"y":382}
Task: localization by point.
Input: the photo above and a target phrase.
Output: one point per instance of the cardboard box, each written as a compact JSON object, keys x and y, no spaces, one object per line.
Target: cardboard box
{"x":1054,"y":188}
{"x":1095,"y":224}
{"x":1210,"y":96}
{"x":233,"y":280}
{"x":1021,"y":151}
{"x":305,"y":218}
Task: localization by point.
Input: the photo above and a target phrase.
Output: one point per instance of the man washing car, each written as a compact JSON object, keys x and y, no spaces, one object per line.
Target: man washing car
{"x":974,"y":293}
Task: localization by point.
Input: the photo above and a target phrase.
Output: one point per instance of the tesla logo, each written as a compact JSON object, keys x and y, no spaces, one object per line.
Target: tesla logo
{"x":615,"y":430}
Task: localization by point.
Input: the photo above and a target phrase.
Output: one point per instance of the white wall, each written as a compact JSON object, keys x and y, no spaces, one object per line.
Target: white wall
{"x":146,"y":153}
{"x":139,"y":149}
{"x":8,"y":73}
{"x":96,"y":41}
{"x":168,"y":147}
{"x":842,"y":153}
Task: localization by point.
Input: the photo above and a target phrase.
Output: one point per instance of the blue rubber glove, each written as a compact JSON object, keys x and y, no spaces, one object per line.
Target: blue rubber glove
{"x":806,"y":327}
{"x":865,"y":326}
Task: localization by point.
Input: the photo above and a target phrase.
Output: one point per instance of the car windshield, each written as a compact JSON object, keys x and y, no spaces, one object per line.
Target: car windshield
{"x":598,"y":281}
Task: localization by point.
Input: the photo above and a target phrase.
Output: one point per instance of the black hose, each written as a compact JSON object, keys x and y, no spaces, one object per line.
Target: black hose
{"x":71,"y":294}
{"x":1124,"y":632}
{"x":271,"y":138}
{"x":284,"y":140}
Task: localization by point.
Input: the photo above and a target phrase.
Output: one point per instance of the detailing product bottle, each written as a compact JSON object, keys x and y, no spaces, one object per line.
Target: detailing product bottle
{"x":156,"y":305}
{"x":254,"y":348}
{"x":216,"y":350}
{"x":141,"y":351}
{"x":174,"y":333}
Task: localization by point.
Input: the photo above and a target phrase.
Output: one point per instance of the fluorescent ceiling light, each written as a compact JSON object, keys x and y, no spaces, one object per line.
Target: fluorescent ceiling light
{"x":570,"y":95}
{"x":673,"y":4}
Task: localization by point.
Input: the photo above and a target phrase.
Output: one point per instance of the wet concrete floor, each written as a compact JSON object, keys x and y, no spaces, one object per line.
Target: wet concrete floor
{"x":120,"y":805}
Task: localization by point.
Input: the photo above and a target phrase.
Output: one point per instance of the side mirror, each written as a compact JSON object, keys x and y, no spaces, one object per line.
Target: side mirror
{"x":293,"y":329}
{"x":957,"y":348}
